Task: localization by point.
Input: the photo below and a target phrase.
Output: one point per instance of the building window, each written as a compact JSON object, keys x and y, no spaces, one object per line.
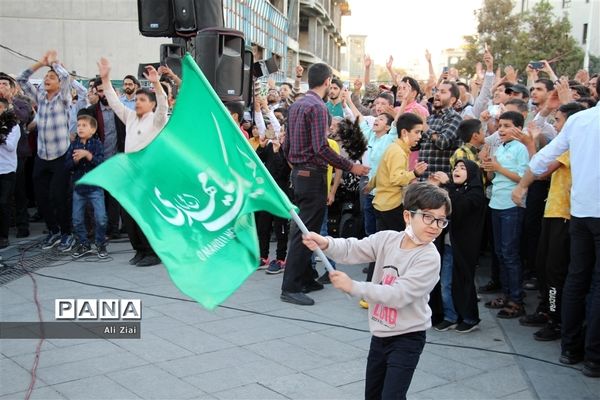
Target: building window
{"x":566,"y":3}
{"x":585,"y":31}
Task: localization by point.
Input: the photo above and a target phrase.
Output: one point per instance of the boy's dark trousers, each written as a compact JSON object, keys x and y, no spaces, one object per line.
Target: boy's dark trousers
{"x":391,"y":364}
{"x":264,"y":222}
{"x":51,"y":185}
{"x":138,"y":240}
{"x":7,"y":184}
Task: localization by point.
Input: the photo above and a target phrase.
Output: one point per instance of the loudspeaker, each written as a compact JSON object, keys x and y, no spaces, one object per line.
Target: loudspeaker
{"x":209,"y":14}
{"x":220,"y":56}
{"x":248,"y":93}
{"x":171,"y":55}
{"x":184,"y":12}
{"x":155,"y":18}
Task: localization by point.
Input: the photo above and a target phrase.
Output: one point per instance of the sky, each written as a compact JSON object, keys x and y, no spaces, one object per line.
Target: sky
{"x":404,"y":29}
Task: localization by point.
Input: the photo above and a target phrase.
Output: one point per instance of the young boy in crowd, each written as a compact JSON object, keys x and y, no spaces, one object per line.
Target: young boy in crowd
{"x":84,"y":154}
{"x":407,"y":267}
{"x":505,"y":170}
{"x":470,"y":131}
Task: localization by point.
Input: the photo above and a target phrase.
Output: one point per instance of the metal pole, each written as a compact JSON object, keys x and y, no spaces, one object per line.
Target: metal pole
{"x":304,"y":230}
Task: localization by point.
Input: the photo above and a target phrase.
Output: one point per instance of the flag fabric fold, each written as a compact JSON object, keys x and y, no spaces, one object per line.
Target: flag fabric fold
{"x":193,"y":192}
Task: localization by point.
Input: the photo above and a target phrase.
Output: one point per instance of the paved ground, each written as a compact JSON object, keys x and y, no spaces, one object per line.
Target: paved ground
{"x":255,"y":347}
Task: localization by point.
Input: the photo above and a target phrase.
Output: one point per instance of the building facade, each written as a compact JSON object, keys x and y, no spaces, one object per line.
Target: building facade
{"x":355,"y":54}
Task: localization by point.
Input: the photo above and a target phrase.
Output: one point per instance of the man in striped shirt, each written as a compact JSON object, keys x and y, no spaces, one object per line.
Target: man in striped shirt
{"x":50,"y":178}
{"x":308,"y":152}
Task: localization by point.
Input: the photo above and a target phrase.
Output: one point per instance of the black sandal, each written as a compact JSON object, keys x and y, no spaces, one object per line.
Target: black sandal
{"x":512,"y":310}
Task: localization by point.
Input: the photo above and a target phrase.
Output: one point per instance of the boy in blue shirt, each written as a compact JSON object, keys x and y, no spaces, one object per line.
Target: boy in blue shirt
{"x":84,"y":154}
{"x":505,"y":170}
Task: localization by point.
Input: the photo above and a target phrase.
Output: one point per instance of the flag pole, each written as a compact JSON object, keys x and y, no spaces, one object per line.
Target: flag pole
{"x":304,"y":230}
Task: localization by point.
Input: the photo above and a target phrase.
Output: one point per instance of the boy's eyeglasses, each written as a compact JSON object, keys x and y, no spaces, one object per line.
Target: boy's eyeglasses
{"x":429,"y":219}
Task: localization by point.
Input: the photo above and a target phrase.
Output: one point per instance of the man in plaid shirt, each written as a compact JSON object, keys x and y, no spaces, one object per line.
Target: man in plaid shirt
{"x":440,"y":141}
{"x":53,"y":98}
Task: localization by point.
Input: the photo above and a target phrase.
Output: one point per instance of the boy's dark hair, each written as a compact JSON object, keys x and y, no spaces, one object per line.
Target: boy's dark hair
{"x":287,"y":84}
{"x":546,"y":82}
{"x":519,"y":103}
{"x":90,"y":120}
{"x":516,"y":118}
{"x":318,"y":74}
{"x":389,"y":118}
{"x":425,"y":196}
{"x":148,"y":93}
{"x":133,"y":79}
{"x":407,"y":121}
{"x":459,"y":83}
{"x":468,"y":128}
{"x":587,"y":102}
{"x":237,"y":108}
{"x":387,"y":96}
{"x":283,"y":112}
{"x":570,"y":109}
{"x":581,"y":90}
{"x":336,"y":81}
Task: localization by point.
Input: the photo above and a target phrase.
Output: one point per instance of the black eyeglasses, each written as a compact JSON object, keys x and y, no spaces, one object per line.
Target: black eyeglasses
{"x":429,"y":219}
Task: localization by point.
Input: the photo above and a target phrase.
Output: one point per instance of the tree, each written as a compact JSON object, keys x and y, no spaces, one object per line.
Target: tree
{"x":517,"y":39}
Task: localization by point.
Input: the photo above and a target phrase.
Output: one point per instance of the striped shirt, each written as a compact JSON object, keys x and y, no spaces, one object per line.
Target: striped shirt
{"x":307,"y":135}
{"x":437,"y":153}
{"x":52,"y":114}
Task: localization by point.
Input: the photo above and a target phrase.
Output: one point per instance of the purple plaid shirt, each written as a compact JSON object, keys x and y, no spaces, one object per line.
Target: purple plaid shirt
{"x":52,"y":115}
{"x":307,"y":128}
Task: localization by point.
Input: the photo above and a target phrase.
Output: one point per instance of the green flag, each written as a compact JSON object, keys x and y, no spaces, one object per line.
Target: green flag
{"x":193,"y":192}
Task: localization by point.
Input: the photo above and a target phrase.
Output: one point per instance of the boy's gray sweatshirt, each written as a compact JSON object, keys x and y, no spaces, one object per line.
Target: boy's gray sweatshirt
{"x":402,"y":280}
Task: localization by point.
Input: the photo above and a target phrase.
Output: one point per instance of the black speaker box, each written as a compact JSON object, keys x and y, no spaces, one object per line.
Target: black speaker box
{"x":184,"y":13}
{"x":171,"y":55}
{"x":220,"y":56}
{"x":209,"y":14}
{"x":155,"y":18}
{"x":248,"y":93}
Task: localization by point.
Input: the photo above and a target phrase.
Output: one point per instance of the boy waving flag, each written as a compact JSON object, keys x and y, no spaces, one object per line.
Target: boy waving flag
{"x":194,"y":190}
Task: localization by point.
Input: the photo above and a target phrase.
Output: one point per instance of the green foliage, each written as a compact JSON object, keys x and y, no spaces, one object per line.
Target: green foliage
{"x":517,"y":39}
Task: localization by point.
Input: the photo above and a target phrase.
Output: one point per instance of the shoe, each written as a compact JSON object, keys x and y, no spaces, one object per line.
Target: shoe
{"x":531,"y":284}
{"x":445,"y":326}
{"x":296,"y":298}
{"x":363,"y":304}
{"x":570,"y":357}
{"x":312,"y":286}
{"x":102,"y":252}
{"x":511,"y":310}
{"x":22,"y":233}
{"x":148,"y":261}
{"x":550,"y":332}
{"x":538,"y":319}
{"x":274,"y":267}
{"x":81,"y":250}
{"x":66,"y":243}
{"x":495,"y":304}
{"x":114,"y":236}
{"x":490,"y":287}
{"x":3,"y":243}
{"x":137,"y":258}
{"x":591,"y":369}
{"x":324,"y":279}
{"x":51,"y":240}
{"x":464,"y":327}
{"x":264,"y":263}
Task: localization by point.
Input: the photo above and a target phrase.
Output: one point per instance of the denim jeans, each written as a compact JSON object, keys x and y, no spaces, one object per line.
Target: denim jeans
{"x":96,"y":199}
{"x":446,"y":283}
{"x":507,"y":225}
{"x":366,"y":204}
{"x":391,"y":364}
{"x":323,"y":232}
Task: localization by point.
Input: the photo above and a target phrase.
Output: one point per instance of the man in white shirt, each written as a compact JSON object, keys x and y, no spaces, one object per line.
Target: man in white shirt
{"x":142,"y":125}
{"x":9,"y":137}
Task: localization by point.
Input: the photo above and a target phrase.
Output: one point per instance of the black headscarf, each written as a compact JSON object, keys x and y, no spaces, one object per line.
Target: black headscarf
{"x":474,"y":179}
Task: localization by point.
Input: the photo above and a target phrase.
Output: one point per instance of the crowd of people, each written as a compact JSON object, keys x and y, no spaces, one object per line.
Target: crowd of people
{"x":463,"y":145}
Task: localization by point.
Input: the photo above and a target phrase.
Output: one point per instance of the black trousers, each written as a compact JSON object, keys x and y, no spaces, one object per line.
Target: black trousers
{"x":7,"y":185}
{"x":310,"y":195}
{"x":21,"y":201}
{"x":51,"y":186}
{"x":113,"y":212}
{"x":532,"y":225}
{"x":264,"y":222}
{"x":391,"y":220}
{"x":552,"y":265}
{"x":138,"y":240}
{"x":583,"y":281}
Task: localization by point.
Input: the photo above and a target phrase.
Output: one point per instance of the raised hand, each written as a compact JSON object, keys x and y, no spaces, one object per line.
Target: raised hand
{"x":427,"y":55}
{"x":357,"y":84}
{"x":103,"y":67}
{"x":488,"y":60}
{"x":51,"y":57}
{"x":368,"y":61}
{"x":389,"y":63}
{"x":299,"y":70}
{"x":511,"y":73}
{"x":151,"y":74}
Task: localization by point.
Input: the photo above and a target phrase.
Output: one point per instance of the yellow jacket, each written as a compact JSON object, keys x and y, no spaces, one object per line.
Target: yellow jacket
{"x":392,"y":177}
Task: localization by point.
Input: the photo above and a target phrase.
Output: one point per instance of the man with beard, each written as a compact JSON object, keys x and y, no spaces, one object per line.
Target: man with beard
{"x":440,"y":141}
{"x":334,"y":104}
{"x":308,"y":152}
{"x":130,"y":86}
{"x":111,"y":132}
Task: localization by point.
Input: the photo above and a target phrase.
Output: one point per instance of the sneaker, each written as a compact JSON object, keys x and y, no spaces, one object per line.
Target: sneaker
{"x":537,"y":320}
{"x":531,"y":284}
{"x":81,"y":250}
{"x":548,"y":333}
{"x":464,"y":327}
{"x":363,"y":304}
{"x":324,"y":279}
{"x":66,"y":243}
{"x":445,"y":326}
{"x":264,"y":263}
{"x":51,"y":240}
{"x":102,"y":253}
{"x":274,"y":268}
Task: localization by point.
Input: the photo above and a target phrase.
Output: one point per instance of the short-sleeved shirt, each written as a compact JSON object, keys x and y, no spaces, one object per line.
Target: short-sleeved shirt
{"x":336,"y":110}
{"x":333,"y":144}
{"x":514,"y":157}
{"x":558,"y":204}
